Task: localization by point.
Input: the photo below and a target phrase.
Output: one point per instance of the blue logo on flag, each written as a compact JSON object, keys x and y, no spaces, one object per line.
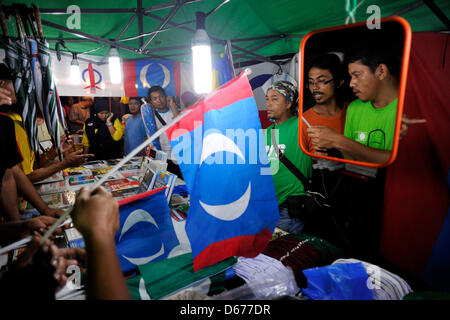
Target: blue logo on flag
{"x":155,"y":72}
{"x":146,"y":232}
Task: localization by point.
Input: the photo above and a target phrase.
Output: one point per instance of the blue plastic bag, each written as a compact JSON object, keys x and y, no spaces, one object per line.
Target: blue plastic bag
{"x":343,"y":281}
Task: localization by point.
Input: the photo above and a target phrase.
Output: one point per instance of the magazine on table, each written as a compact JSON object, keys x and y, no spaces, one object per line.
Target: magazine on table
{"x":133,"y":169}
{"x":122,"y":187}
{"x":52,"y":187}
{"x":155,"y":165}
{"x":148,"y":180}
{"x":95,"y":164}
{"x":75,"y":171}
{"x":54,"y":200}
{"x":58,"y":176}
{"x":167,"y":179}
{"x":74,"y":238}
{"x":81,"y":179}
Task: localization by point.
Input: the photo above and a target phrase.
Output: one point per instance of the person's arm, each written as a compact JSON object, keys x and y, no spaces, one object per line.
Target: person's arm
{"x":96,"y":217}
{"x":16,"y":182}
{"x":73,"y":159}
{"x":173,"y":106}
{"x":115,"y":129}
{"x":16,"y":230}
{"x":326,"y":138}
{"x":406,"y":122}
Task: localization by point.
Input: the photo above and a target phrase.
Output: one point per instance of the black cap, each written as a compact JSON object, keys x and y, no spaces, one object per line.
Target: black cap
{"x":101,"y":105}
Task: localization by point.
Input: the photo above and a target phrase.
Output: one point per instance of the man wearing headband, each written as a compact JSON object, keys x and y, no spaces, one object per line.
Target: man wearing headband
{"x":281,"y":104}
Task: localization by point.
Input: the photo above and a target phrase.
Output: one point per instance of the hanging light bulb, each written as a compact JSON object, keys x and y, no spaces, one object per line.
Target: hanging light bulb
{"x":201,"y":57}
{"x":75,"y":74}
{"x":115,"y":70}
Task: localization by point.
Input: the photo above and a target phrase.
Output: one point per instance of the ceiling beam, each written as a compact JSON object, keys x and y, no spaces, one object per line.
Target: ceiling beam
{"x":179,"y":4}
{"x":140,"y":17}
{"x":86,"y":11}
{"x":408,"y":8}
{"x":215,"y":40}
{"x":96,"y":39}
{"x":168,"y":5}
{"x":438,"y":12}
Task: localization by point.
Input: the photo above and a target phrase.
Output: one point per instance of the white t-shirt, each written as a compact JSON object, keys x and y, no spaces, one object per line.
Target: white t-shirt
{"x":163,"y":140}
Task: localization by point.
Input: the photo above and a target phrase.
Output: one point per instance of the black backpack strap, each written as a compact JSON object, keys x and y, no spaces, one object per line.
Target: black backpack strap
{"x":306,"y":182}
{"x":160,"y":118}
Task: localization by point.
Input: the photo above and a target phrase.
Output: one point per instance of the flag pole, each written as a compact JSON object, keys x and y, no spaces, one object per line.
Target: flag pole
{"x":115,"y":168}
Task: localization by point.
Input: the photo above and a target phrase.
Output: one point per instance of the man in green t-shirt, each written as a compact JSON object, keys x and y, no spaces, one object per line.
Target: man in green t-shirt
{"x":370,"y":121}
{"x":281,"y":103}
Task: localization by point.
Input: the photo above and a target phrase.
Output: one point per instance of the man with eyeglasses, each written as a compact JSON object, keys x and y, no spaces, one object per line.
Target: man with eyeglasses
{"x":370,"y":120}
{"x":325,"y":83}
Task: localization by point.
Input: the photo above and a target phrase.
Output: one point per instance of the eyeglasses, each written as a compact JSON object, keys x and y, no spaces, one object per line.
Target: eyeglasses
{"x":319,"y":83}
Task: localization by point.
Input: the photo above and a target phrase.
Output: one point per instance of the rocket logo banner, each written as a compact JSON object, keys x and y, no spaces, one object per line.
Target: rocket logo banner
{"x":233,"y":207}
{"x":140,"y":75}
{"x":146,"y":231}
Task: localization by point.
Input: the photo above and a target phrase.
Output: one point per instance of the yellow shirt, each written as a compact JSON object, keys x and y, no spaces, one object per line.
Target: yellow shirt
{"x":116,"y":136}
{"x":23,"y":143}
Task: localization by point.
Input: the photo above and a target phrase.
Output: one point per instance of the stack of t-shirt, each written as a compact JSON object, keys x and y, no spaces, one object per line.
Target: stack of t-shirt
{"x":384,"y":284}
{"x":301,"y":252}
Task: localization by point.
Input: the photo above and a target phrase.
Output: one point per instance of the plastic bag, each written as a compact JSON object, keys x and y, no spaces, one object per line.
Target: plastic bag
{"x":345,"y":281}
{"x":281,"y":285}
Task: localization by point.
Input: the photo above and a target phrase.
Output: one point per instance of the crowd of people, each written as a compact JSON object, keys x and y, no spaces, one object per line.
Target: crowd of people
{"x":111,"y":128}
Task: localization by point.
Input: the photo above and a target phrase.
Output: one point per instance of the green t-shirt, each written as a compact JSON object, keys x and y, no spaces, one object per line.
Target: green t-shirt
{"x":286,"y":183}
{"x":370,"y":126}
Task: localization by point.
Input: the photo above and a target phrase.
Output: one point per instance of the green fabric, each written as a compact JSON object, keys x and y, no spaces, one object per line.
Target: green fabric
{"x":286,"y":183}
{"x":427,"y":295}
{"x":329,"y":250}
{"x":234,"y":20}
{"x":366,"y":124}
{"x":166,"y":276}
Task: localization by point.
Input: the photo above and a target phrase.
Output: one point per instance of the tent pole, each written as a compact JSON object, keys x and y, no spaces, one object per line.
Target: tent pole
{"x":86,"y":11}
{"x":215,"y":40}
{"x":438,"y":12}
{"x":167,"y":5}
{"x":174,"y":10}
{"x":126,"y":27}
{"x":96,"y":39}
{"x":408,"y":8}
{"x":140,"y":22}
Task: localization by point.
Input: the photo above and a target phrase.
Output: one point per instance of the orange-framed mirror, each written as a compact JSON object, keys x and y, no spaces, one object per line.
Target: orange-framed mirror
{"x":352,"y":82}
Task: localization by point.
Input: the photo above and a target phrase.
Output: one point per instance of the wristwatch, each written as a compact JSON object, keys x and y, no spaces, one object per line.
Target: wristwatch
{"x":109,"y":124}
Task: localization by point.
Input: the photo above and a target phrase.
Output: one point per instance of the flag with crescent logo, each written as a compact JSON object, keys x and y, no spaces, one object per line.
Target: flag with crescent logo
{"x":146,"y":230}
{"x":140,"y":75}
{"x":220,"y":149}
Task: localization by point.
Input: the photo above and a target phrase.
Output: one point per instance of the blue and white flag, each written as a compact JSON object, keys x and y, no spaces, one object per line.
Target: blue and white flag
{"x":146,"y":230}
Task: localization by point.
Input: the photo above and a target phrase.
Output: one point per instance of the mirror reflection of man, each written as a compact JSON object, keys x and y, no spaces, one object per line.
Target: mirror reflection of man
{"x":325,"y":83}
{"x":370,"y":121}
